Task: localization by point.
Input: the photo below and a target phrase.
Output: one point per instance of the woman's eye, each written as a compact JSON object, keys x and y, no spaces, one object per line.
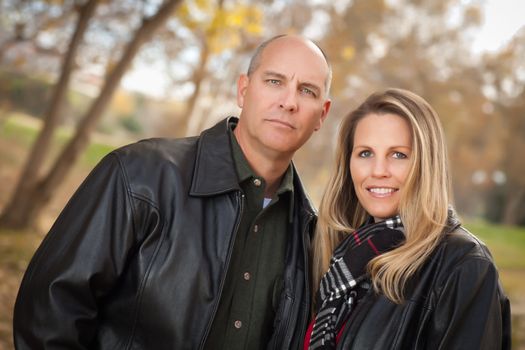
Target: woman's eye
{"x":399,"y":155}
{"x":365,"y":154}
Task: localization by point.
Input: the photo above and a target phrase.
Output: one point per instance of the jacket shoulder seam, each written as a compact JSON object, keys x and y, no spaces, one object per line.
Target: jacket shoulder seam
{"x":460,"y":264}
{"x":130,"y":192}
{"x":482,"y":252}
{"x":140,"y":291}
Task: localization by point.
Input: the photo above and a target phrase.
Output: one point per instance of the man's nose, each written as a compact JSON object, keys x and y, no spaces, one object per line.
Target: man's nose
{"x":289,"y":99}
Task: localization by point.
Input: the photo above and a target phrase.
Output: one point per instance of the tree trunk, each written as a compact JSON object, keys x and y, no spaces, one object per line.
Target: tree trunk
{"x":192,"y":121}
{"x":33,"y":201}
{"x":24,"y":192}
{"x":198,"y":76}
{"x":218,"y":93}
{"x":514,"y":207}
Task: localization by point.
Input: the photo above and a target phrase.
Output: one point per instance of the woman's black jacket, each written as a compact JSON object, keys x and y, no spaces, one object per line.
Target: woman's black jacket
{"x":454,"y":302}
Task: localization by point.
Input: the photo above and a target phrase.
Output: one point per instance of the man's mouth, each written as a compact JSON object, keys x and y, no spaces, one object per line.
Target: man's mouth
{"x":281,"y":122}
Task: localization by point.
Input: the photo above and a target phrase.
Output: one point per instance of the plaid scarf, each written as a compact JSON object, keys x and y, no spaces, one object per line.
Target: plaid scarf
{"x":346,"y":280}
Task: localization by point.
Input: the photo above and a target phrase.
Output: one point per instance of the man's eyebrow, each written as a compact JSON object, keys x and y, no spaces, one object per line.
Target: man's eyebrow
{"x":316,"y":88}
{"x":274,"y":74}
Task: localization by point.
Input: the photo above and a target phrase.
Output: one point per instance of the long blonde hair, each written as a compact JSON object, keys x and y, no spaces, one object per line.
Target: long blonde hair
{"x":424,"y":199}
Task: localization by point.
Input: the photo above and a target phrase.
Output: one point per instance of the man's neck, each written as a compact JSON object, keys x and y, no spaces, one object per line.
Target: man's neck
{"x":268,"y":165}
{"x":271,"y":173}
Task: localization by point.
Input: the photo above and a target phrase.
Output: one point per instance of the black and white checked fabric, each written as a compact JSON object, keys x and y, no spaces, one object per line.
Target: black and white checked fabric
{"x":346,"y":279}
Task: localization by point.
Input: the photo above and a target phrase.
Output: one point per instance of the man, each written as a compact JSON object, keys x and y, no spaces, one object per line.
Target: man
{"x":190,"y":243}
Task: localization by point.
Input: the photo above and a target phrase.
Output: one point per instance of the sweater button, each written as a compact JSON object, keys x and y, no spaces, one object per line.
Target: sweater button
{"x":237,"y":324}
{"x":247,"y":276}
{"x":257,"y":182}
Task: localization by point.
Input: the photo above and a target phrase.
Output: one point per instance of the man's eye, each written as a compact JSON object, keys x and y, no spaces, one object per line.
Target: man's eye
{"x":308,"y":91}
{"x":273,"y":81}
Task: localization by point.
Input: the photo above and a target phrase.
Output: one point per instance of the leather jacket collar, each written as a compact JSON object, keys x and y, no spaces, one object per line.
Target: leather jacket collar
{"x":214,"y":171}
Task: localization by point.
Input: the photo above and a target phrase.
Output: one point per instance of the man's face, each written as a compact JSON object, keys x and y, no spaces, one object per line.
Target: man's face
{"x":284,"y":99}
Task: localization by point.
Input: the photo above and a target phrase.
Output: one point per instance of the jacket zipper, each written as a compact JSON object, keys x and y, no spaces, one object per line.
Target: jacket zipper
{"x":308,"y":291}
{"x":304,"y":318}
{"x":240,"y":201}
{"x":283,"y":326}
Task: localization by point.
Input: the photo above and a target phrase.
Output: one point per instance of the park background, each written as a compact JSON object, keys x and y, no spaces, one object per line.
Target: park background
{"x":80,"y":78}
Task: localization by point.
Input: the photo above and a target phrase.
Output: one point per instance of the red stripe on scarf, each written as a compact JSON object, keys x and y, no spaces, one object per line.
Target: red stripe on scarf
{"x":371,"y":244}
{"x":356,"y":237}
{"x":310,"y":329}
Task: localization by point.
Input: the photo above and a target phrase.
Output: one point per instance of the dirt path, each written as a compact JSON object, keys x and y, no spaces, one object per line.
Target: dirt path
{"x":15,"y":252}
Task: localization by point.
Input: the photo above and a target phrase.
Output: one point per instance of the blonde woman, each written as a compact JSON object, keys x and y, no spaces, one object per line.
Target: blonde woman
{"x":393,"y":266}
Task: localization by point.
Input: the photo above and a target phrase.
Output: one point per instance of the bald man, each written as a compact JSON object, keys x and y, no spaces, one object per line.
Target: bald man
{"x":193,"y":243}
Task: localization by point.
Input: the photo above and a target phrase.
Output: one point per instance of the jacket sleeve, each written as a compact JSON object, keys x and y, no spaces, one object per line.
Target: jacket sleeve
{"x":77,"y":264}
{"x":471,"y":310}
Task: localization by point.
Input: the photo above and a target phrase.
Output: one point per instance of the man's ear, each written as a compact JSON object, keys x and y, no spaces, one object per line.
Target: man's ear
{"x":324,"y":113}
{"x":242,"y":85}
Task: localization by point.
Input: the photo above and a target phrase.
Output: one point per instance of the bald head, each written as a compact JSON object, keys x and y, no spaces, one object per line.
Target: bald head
{"x":282,"y":39}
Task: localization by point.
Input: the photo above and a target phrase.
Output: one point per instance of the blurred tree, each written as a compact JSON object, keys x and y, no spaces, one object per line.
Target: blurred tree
{"x":422,"y":46}
{"x":504,"y":78}
{"x":215,"y":29}
{"x":372,"y":44}
{"x":12,"y":215}
{"x":24,"y":22}
{"x":206,"y":49}
{"x":206,"y":52}
{"x":34,"y":190}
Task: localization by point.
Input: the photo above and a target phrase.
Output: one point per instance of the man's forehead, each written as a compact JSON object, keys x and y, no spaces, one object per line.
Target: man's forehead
{"x":294,"y":56}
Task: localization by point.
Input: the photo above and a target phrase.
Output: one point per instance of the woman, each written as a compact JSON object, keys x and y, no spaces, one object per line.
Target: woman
{"x":395,"y":268}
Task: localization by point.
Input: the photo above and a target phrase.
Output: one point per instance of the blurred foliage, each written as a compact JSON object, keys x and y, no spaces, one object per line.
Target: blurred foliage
{"x":23,"y":93}
{"x":423,"y":46}
{"x":123,"y":104}
{"x":223,"y":27}
{"x":131,"y":124}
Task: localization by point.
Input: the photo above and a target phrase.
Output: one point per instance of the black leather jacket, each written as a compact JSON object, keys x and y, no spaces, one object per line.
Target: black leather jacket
{"x":138,"y":257}
{"x":455,"y":302}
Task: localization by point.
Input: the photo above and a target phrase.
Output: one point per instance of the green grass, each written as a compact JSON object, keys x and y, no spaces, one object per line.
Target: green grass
{"x":95,"y":152}
{"x":507,"y":244}
{"x":24,"y":134}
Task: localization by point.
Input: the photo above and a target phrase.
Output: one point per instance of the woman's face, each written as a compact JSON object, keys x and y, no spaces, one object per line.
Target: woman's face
{"x":380,"y":162}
